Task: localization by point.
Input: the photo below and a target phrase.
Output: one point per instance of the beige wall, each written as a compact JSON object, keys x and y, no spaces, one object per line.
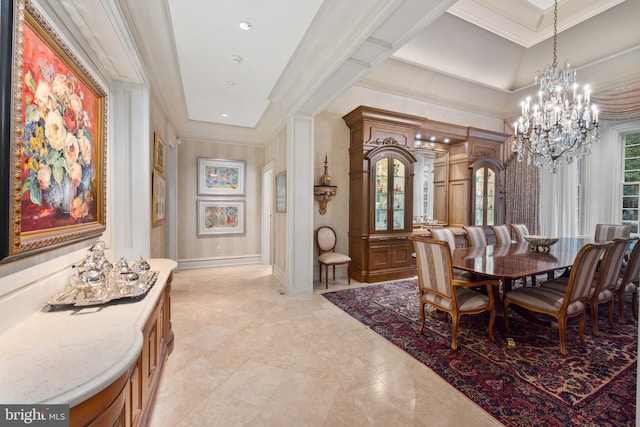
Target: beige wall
{"x":215,"y":249}
{"x":331,"y":136}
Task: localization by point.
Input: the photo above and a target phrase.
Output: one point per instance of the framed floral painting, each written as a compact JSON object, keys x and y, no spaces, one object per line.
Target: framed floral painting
{"x":159,"y":153}
{"x":220,"y":217}
{"x":159,"y":197}
{"x":217,"y":177}
{"x":57,"y":143}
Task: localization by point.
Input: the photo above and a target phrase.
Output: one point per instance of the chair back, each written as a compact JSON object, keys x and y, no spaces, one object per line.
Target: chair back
{"x":475,"y":236}
{"x":519,"y":231}
{"x":433,"y":259}
{"x":632,"y":271}
{"x":502,"y":234}
{"x":609,"y":272}
{"x":582,"y":273}
{"x":444,"y":234}
{"x":608,"y":232}
{"x":326,"y":239}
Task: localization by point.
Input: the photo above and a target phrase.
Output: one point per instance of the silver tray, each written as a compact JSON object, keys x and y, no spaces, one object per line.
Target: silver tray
{"x":76,"y":297}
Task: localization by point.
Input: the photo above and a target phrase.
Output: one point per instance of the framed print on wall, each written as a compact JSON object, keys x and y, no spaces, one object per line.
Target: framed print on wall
{"x":57,"y":177}
{"x":159,"y":197}
{"x":217,"y":177}
{"x":281,"y":192}
{"x":159,"y":153}
{"x":220,"y":217}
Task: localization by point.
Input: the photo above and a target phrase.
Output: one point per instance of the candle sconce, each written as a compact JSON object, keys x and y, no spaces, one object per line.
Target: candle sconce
{"x":324,"y":192}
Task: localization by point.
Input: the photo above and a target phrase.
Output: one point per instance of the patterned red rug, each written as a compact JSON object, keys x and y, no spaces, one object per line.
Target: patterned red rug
{"x":530,"y":384}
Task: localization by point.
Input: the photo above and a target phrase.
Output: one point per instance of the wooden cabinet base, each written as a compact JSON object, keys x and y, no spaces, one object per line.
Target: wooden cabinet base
{"x":129,"y":400}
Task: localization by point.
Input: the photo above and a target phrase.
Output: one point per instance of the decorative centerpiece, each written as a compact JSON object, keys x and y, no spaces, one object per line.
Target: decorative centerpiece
{"x":541,"y":243}
{"x":96,"y":281}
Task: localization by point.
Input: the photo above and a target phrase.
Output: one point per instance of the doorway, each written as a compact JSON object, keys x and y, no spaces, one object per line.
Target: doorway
{"x":267,"y":215}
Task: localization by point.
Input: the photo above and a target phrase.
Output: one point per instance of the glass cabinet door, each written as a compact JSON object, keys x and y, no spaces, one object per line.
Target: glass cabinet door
{"x":390,"y":194}
{"x":485,"y":190}
{"x":382,"y":194}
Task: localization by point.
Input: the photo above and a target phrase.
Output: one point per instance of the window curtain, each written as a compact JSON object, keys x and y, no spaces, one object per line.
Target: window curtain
{"x":559,"y":196}
{"x":522,"y":193}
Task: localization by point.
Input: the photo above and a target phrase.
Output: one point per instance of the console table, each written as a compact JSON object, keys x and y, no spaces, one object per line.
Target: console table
{"x":103,"y":361}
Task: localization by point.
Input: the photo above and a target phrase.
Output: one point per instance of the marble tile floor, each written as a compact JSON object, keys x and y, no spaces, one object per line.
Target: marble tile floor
{"x":248,"y":355}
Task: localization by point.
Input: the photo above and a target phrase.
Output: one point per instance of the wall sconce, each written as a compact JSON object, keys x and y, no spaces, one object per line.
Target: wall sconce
{"x":324,"y":192}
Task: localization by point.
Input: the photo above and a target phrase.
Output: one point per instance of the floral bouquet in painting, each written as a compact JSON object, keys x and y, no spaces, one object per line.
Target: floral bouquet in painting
{"x":58,"y":158}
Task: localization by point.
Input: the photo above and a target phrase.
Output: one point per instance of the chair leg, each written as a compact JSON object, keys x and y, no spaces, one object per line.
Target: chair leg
{"x":594,"y":318}
{"x":492,"y":321}
{"x":562,"y":328}
{"x":320,"y":271}
{"x":422,"y":316}
{"x":326,"y":276}
{"x":349,"y":274}
{"x":580,"y":328}
{"x":454,"y":330}
{"x":620,"y":297}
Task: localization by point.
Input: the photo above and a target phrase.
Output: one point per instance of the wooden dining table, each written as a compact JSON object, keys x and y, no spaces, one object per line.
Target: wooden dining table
{"x":517,"y":260}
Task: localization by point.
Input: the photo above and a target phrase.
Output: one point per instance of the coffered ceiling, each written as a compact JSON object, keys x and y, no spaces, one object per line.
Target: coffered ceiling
{"x":213,"y":77}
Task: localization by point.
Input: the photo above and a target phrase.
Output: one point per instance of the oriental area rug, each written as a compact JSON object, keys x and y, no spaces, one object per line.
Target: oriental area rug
{"x":529,"y":384}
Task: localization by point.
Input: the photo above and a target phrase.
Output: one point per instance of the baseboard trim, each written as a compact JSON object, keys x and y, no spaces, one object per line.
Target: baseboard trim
{"x":191,"y":264}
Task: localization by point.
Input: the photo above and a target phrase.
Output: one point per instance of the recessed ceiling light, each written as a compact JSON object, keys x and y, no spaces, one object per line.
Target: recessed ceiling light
{"x":231,"y":83}
{"x":433,"y":138}
{"x":224,"y":115}
{"x":236,"y":59}
{"x":245,"y":26}
{"x":446,"y":140}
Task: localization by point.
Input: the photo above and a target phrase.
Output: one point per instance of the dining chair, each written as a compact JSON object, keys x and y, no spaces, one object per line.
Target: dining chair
{"x":447,"y":235}
{"x":327,"y":255}
{"x":519,"y":231}
{"x":440,"y":290}
{"x":608,"y":232}
{"x":475,"y":235}
{"x":562,"y":304}
{"x":502,"y":234}
{"x":605,"y":281}
{"x":628,"y":283}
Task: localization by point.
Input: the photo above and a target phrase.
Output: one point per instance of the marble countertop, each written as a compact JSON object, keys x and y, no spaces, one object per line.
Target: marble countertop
{"x":69,"y":355}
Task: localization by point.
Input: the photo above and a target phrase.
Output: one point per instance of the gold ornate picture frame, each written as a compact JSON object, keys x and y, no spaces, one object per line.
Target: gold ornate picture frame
{"x":56,"y":184}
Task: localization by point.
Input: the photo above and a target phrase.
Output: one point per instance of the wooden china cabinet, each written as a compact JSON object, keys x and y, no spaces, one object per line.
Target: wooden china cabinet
{"x":381,"y":194}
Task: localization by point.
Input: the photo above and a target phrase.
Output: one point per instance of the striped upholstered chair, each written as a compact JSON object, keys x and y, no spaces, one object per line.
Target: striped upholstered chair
{"x":562,"y":304}
{"x":519,"y":231}
{"x":447,"y":235}
{"x":502,"y":234}
{"x":608,"y":232}
{"x":475,"y":236}
{"x":604,"y":282}
{"x":628,"y":284}
{"x":440,"y":290}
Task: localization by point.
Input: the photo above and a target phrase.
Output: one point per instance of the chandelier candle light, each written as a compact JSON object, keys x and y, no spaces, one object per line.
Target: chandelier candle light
{"x":563,"y":124}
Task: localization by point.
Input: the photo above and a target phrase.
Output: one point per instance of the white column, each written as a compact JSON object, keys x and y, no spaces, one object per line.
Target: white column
{"x":129,"y":195}
{"x":300,"y":237}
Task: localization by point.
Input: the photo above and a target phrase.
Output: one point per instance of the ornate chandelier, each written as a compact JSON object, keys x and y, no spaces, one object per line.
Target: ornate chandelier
{"x":563,"y":124}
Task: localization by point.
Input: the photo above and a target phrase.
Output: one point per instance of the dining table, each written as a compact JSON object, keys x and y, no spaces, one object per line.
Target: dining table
{"x":517,"y":260}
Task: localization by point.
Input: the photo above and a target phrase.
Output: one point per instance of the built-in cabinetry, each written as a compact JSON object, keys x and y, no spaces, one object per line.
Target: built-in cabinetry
{"x":382,"y":150}
{"x":128,"y":401}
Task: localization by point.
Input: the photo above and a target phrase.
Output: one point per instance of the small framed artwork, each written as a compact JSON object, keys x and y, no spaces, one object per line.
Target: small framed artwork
{"x":220,"y":217}
{"x":159,"y":198}
{"x":281,"y":192}
{"x":53,"y":145}
{"x":159,"y":153}
{"x":217,"y":177}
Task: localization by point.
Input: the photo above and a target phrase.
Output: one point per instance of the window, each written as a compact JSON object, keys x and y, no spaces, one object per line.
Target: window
{"x":631,"y":185}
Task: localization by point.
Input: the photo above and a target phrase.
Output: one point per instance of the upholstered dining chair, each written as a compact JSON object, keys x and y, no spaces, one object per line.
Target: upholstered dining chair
{"x":604,"y":283}
{"x":440,"y":290}
{"x":628,"y":283}
{"x":519,"y":231}
{"x":327,"y":255}
{"x":502,"y":234}
{"x":608,"y":232}
{"x":475,"y":235}
{"x":562,"y":304}
{"x":447,"y":235}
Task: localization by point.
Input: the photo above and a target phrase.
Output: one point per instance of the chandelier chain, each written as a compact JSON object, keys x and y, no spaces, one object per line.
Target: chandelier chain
{"x":555,"y":34}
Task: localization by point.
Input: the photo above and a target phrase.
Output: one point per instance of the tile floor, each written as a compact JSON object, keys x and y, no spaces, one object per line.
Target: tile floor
{"x":245,"y":355}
